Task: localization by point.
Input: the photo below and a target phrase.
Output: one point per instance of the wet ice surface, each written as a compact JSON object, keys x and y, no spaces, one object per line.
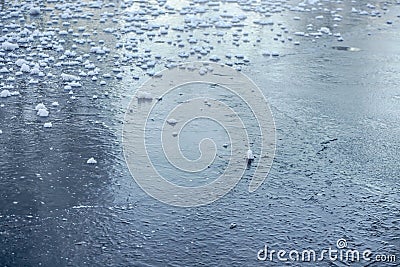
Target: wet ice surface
{"x":336,"y":111}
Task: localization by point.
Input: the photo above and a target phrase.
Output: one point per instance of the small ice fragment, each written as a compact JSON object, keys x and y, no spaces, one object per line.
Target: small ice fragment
{"x":172,"y":122}
{"x":202,"y":71}
{"x":5,"y":93}
{"x":174,"y":134}
{"x":25,"y":68}
{"x":48,"y":125}
{"x":325,"y":30}
{"x":69,"y":77}
{"x":42,"y":112}
{"x":40,"y":106}
{"x":143,"y":95}
{"x":1,"y":131}
{"x":55,"y":104}
{"x":34,"y":11}
{"x":250,"y":155}
{"x":91,"y":161}
{"x":299,"y":33}
{"x":9,"y":46}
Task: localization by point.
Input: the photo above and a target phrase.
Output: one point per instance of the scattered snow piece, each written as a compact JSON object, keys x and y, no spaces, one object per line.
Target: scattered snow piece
{"x":74,"y":84}
{"x":266,"y":53}
{"x":34,"y":11}
{"x":232,"y":226}
{"x":174,"y":134}
{"x":9,"y":46}
{"x":40,"y":106}
{"x":5,"y":93}
{"x":42,"y":113}
{"x":144,"y":95}
{"x":172,"y":122}
{"x":25,"y":68}
{"x":325,"y":30}
{"x":4,"y":70}
{"x":1,"y":131}
{"x":20,"y":62}
{"x":299,"y":33}
{"x":203,"y":71}
{"x":48,"y":125}
{"x":91,"y":161}
{"x":55,"y":104}
{"x":250,"y":155}
{"x":69,"y":77}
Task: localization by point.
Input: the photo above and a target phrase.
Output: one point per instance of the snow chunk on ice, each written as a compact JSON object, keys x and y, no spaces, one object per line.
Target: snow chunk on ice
{"x":34,"y":11}
{"x":91,"y":161}
{"x":144,"y":95}
{"x":5,"y":93}
{"x":9,"y":46}
{"x":25,"y":68}
{"x":69,"y":77}
{"x":42,"y":113}
{"x":20,"y":62}
{"x":172,"y":121}
{"x":48,"y":125}
{"x":250,"y":155}
{"x":40,"y":106}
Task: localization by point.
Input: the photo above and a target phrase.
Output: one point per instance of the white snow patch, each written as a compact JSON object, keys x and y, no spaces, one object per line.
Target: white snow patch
{"x":9,"y":46}
{"x":249,"y":155}
{"x":48,"y":125}
{"x":42,"y":113}
{"x":91,"y":161}
{"x":34,"y":11}
{"x":144,"y":95}
{"x":5,"y":93}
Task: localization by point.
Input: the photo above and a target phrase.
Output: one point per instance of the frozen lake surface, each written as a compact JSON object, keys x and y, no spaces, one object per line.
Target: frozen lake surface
{"x":330,"y":71}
